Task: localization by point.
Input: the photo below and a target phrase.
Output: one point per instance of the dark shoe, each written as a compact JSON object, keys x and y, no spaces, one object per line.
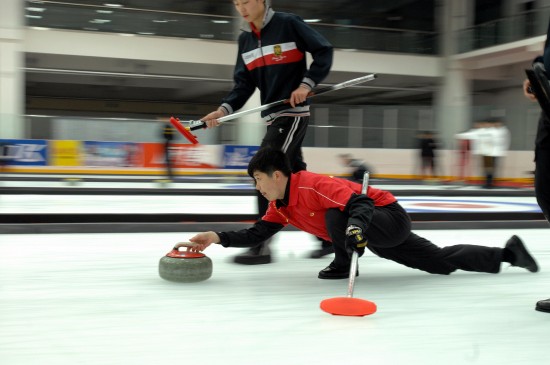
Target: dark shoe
{"x":258,"y":255}
{"x":522,"y":258}
{"x":326,"y":249}
{"x":543,"y":305}
{"x":334,"y":272}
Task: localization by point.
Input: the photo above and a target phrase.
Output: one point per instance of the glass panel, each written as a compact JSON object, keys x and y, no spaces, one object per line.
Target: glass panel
{"x":217,"y":27}
{"x":505,"y":30}
{"x":399,"y":131}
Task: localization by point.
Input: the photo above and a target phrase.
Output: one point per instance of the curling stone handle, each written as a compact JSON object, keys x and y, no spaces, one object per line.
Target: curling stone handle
{"x":184,"y":244}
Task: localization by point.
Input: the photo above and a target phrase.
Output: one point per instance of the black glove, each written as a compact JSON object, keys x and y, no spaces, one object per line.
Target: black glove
{"x":355,"y":240}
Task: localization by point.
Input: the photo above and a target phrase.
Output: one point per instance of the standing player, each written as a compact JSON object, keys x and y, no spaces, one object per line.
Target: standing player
{"x":168,"y":134}
{"x":542,"y":154}
{"x":427,"y":146}
{"x":272,"y":58}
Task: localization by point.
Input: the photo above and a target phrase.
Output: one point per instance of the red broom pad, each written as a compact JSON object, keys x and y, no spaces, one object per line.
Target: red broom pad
{"x":349,"y":306}
{"x":190,"y":137}
{"x":346,"y":306}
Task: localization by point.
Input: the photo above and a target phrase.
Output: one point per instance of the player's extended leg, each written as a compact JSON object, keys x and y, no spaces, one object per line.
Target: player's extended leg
{"x":389,"y":236}
{"x":419,"y":253}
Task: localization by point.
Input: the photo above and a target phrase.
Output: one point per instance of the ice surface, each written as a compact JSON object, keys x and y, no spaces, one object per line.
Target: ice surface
{"x":98,"y":299}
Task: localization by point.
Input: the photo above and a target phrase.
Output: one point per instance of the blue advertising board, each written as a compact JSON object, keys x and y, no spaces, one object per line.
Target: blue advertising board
{"x":238,"y":157}
{"x":111,"y":154}
{"x":25,"y":152}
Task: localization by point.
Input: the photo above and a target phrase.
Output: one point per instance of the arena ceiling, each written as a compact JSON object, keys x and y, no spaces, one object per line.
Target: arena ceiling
{"x":209,"y":83}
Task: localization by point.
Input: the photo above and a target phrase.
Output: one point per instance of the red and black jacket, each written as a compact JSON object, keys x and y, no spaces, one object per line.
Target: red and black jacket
{"x":274,"y":61}
{"x":307,"y":200}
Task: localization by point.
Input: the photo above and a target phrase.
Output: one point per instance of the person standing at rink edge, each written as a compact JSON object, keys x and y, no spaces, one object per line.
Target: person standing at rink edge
{"x":168,"y":134}
{"x":336,"y":210}
{"x":427,"y":146}
{"x":542,"y":154}
{"x":272,"y":58}
{"x":491,"y":140}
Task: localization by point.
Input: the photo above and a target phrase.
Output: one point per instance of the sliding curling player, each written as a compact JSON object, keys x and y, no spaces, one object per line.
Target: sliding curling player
{"x":335,"y":210}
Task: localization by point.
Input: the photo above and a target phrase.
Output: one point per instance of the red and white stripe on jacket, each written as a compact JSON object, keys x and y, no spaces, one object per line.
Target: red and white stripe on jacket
{"x":274,"y":54}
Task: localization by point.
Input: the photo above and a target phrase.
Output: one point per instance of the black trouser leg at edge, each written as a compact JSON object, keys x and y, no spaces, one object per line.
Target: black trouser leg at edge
{"x":542,"y":165}
{"x":542,"y":180}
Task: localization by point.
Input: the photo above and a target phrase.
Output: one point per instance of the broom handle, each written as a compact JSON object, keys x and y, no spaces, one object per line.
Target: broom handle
{"x":199,"y":124}
{"x":352,"y":272}
{"x":355,"y":255}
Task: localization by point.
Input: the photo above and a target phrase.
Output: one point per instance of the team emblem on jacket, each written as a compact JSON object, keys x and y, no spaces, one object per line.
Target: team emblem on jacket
{"x":278,"y":53}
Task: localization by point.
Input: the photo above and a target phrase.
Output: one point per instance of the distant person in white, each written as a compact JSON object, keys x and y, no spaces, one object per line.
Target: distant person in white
{"x":490,"y":139}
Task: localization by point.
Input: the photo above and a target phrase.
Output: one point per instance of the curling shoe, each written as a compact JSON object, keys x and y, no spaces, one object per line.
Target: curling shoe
{"x":258,"y":255}
{"x":522,"y":258}
{"x":335,"y":272}
{"x":543,"y":305}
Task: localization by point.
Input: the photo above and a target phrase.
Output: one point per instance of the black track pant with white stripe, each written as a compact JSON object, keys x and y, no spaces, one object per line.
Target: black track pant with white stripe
{"x":286,"y":134}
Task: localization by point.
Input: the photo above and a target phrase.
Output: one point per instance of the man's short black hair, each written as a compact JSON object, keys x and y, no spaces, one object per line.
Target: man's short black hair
{"x":268,"y":160}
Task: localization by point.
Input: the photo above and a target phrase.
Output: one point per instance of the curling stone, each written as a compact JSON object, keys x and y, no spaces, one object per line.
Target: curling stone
{"x":185,"y":266}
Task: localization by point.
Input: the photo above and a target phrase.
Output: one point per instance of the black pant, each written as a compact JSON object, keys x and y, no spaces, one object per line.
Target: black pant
{"x":389,"y":236}
{"x":168,"y":158}
{"x":489,"y":168}
{"x":287,"y":135}
{"x":542,"y":165}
